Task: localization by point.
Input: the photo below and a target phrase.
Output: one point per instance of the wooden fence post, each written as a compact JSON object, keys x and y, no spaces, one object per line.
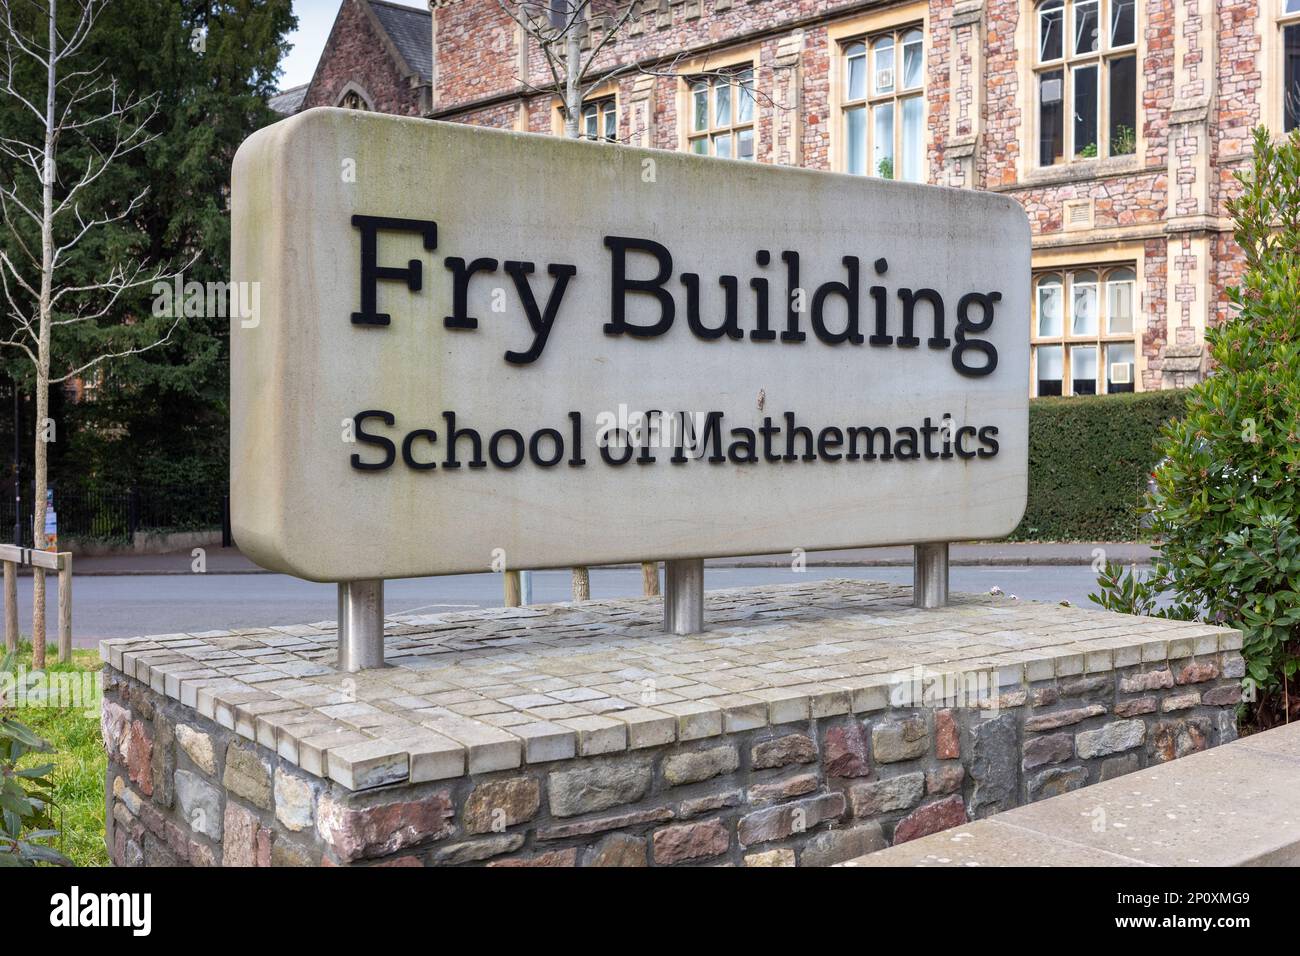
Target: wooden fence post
{"x":513,"y":596}
{"x":650,"y":578}
{"x":65,"y":609}
{"x":11,"y":606}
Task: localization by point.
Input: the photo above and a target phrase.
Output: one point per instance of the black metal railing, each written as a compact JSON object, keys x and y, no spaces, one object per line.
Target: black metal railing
{"x":119,"y":514}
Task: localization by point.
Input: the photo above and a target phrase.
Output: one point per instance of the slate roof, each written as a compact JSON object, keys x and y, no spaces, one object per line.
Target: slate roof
{"x":287,"y":102}
{"x":411,"y":31}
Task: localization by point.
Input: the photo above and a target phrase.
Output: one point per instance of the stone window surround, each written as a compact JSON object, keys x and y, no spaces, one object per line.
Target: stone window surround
{"x":608,"y":90}
{"x":1273,"y":19}
{"x":360,"y":91}
{"x":1028,"y":171}
{"x":897,"y":96}
{"x":1098,"y":257}
{"x":838,"y":36}
{"x":732,"y":62}
{"x":1067,"y":339}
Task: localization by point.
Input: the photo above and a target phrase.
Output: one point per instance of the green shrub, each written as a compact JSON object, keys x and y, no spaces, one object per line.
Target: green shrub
{"x":1226,"y":500}
{"x":26,"y":793}
{"x":1089,"y":461}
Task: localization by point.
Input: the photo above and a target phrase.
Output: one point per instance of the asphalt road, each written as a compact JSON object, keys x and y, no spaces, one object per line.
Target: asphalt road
{"x":128,"y":605}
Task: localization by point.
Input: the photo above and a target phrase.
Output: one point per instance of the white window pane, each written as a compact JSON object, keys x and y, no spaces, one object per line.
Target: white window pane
{"x":745,"y":144}
{"x":722,"y":146}
{"x":1119,"y":301}
{"x":856,"y":79}
{"x":855,"y":132}
{"x":611,"y":123}
{"x":882,"y":147}
{"x":882,"y":53}
{"x":1085,"y":26}
{"x":1122,"y":22}
{"x":1050,"y":361}
{"x":700,"y":106}
{"x":1083,"y":370}
{"x":745,"y":106}
{"x":1119,"y":368}
{"x":722,"y":103}
{"x":700,"y":146}
{"x":1083,"y":304}
{"x":1049,"y":308}
{"x":913,"y":141}
{"x":1051,"y":24}
{"x":1293,"y":6}
{"x":913,"y":60}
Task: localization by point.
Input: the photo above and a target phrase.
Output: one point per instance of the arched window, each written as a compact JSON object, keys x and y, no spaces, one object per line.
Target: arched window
{"x":722,"y":114}
{"x":1086,"y":79}
{"x":884,"y":105}
{"x":355,"y":98}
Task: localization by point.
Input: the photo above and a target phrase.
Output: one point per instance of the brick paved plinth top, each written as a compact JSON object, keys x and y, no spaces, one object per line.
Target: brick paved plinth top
{"x":499,"y":688}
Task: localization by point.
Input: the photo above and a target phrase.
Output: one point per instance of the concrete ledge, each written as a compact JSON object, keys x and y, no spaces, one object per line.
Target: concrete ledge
{"x":1234,"y":805}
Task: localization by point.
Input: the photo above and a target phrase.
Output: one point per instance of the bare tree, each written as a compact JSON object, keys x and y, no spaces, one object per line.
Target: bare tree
{"x":62,"y":102}
{"x":558,"y":29}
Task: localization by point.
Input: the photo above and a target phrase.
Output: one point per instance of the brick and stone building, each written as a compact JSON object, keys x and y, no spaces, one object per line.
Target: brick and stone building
{"x":1119,"y":124}
{"x":379,"y":56}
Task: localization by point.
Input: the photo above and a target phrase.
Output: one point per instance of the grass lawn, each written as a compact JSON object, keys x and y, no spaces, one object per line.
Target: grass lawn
{"x":78,"y":758}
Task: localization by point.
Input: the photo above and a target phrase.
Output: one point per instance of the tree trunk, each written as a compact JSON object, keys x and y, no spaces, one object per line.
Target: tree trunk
{"x":572,"y":81}
{"x":43,"y":348}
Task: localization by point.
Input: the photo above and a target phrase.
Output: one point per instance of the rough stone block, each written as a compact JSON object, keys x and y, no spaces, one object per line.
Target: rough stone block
{"x":201,"y":804}
{"x":931,"y":818}
{"x":690,"y":841}
{"x":883,"y":796}
{"x":782,"y":751}
{"x":1062,"y":718}
{"x":494,"y":805}
{"x":896,"y":740}
{"x":618,"y":849}
{"x":779,"y":822}
{"x":1113,"y":738}
{"x":295,"y":801}
{"x":355,"y":832}
{"x":597,"y":785}
{"x":1053,"y":748}
{"x":844,"y":751}
{"x":198,"y":747}
{"x":247,"y":775}
{"x":697,"y":765}
{"x":1056,"y":781}
{"x":838,"y":845}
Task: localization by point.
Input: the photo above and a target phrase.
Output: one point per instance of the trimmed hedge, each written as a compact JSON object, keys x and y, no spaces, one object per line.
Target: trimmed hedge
{"x":1089,"y":460}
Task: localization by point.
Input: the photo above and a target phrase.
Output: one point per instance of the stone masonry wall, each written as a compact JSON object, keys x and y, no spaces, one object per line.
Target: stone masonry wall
{"x":355,"y":54}
{"x":184,"y":789}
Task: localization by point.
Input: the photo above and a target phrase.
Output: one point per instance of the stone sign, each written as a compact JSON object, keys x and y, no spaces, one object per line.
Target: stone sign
{"x":478,"y":349}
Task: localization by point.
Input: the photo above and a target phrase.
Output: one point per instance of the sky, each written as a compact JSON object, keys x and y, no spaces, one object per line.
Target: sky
{"x":315,"y":17}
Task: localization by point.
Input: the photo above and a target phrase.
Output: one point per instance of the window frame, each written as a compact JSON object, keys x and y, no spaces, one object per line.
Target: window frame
{"x":1104,"y":275}
{"x":1068,"y":64}
{"x":711,"y":80}
{"x":603,"y":105}
{"x":1284,"y":19}
{"x":897,"y":96}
